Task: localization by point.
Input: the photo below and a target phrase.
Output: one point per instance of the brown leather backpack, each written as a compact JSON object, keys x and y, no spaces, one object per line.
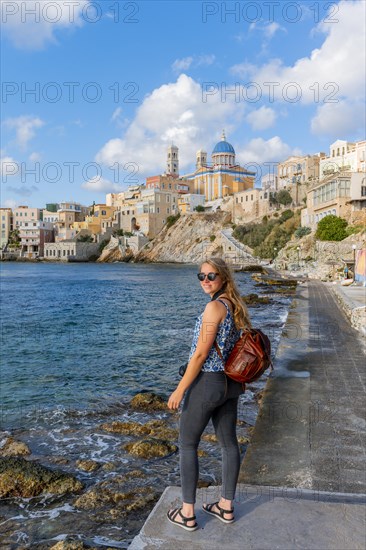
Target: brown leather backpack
{"x":250,"y":357}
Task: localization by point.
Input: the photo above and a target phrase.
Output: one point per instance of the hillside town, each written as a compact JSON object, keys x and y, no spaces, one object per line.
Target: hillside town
{"x":318,"y":184}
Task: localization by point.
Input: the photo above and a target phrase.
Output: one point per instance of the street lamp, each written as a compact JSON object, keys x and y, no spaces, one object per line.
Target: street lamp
{"x":354,"y":246}
{"x":298,"y":256}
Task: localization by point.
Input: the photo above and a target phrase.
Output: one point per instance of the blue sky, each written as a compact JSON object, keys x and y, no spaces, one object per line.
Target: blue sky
{"x":117,"y":82}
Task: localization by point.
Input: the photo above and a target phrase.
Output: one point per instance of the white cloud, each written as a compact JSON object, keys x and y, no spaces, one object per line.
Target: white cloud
{"x":269,"y":29}
{"x":35,"y":157}
{"x":25,"y":128}
{"x":8,"y":167}
{"x":101,"y":185}
{"x":175,"y":113}
{"x":338,"y":61}
{"x":339,"y":119}
{"x":30,"y":24}
{"x":116,"y":113}
{"x":182,"y":65}
{"x":262,"y":118}
{"x":205,"y":60}
{"x":260,"y":151}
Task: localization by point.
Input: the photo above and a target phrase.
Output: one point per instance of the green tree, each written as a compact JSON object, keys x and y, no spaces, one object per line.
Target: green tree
{"x":85,"y":239}
{"x":331,"y":228}
{"x":284,"y":197}
{"x":199,"y":208}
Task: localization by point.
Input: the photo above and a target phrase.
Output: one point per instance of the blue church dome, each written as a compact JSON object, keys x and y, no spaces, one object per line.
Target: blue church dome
{"x":223,"y":146}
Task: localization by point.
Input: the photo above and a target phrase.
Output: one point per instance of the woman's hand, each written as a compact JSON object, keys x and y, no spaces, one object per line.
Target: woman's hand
{"x":175,"y":399}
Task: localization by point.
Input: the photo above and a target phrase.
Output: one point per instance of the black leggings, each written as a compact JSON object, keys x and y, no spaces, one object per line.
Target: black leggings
{"x":211,"y":395}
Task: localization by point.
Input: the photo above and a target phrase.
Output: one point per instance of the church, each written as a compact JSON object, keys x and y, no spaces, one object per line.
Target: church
{"x":216,"y":179}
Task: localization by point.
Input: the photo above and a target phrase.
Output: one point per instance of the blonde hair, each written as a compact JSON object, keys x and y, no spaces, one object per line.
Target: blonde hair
{"x":240,"y":312}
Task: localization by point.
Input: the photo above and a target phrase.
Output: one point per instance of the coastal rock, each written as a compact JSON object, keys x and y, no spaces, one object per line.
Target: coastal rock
{"x":252,"y":269}
{"x":87,"y":465}
{"x":150,"y":448}
{"x":71,"y":545}
{"x":154,"y":428}
{"x":22,"y":478}
{"x":125,"y":428}
{"x":192,"y":237}
{"x":210,"y":437}
{"x":254,"y":299}
{"x":148,"y":401}
{"x":272,"y":281}
{"x":12,"y":447}
{"x":115,"y":498}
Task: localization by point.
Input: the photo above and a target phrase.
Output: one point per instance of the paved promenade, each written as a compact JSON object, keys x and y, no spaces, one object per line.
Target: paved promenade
{"x":302,"y":481}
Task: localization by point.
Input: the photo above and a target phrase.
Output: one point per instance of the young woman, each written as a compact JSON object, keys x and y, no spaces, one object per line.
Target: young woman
{"x":210,"y":394}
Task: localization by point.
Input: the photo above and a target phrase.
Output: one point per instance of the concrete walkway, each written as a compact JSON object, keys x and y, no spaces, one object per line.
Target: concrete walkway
{"x":307,"y":453}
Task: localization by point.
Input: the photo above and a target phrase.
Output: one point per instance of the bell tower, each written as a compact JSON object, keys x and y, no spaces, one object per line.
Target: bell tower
{"x":201,"y":159}
{"x":172,"y":164}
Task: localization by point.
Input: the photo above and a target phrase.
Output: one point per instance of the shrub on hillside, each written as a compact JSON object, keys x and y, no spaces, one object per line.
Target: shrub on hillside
{"x":286,"y":215}
{"x":199,"y":208}
{"x":302,"y":231}
{"x":172,"y":219}
{"x":331,"y":228}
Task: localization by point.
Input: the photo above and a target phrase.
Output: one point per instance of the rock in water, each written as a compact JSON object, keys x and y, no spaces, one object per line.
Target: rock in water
{"x":148,"y":401}
{"x":25,"y":479}
{"x":150,"y":448}
{"x":12,"y":447}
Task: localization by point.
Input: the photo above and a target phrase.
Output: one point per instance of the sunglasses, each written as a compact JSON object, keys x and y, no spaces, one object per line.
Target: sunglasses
{"x":210,"y":276}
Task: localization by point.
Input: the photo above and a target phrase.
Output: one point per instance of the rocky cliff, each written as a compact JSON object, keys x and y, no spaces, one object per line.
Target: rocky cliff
{"x":192,"y":238}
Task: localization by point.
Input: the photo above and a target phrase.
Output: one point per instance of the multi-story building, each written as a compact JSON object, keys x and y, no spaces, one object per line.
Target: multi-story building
{"x":223,"y":176}
{"x":101,"y":218}
{"x":333,"y":195}
{"x":168,"y":183}
{"x":250,"y":205}
{"x":188,"y":202}
{"x":6,"y":220}
{"x":298,"y":169}
{"x":270,"y":182}
{"x":25,"y":214}
{"x":152,"y":211}
{"x":131,"y":196}
{"x":33,"y":236}
{"x":50,"y":216}
{"x":68,"y":214}
{"x":344,"y":156}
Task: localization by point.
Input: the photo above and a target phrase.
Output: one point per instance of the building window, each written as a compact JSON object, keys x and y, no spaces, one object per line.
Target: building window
{"x":167,"y":210}
{"x":3,"y":226}
{"x":104,"y":213}
{"x":246,"y":198}
{"x":158,"y":210}
{"x":363,"y":190}
{"x":241,"y":199}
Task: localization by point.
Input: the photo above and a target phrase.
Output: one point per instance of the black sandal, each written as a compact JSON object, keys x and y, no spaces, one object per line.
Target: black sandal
{"x":221,"y":514}
{"x":172,"y":514}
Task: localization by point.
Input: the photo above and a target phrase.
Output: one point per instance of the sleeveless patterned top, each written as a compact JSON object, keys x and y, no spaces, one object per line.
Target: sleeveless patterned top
{"x":226,"y":338}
